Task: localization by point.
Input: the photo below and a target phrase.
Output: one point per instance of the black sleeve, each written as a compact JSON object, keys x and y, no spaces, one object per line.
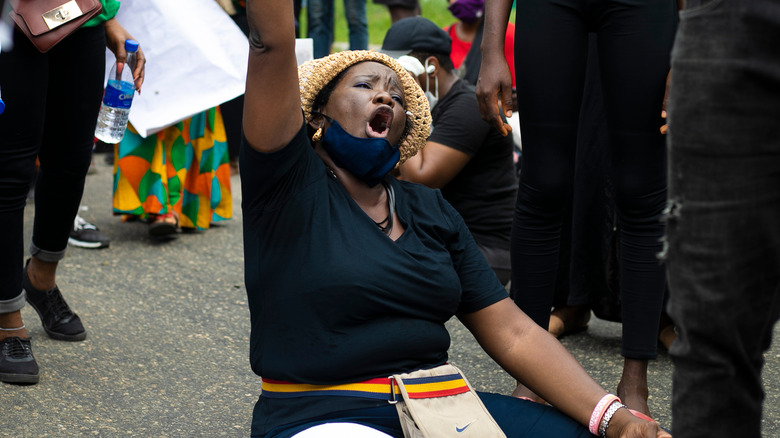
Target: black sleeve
{"x":460,"y":126}
{"x":479,"y":285}
{"x":269,"y":179}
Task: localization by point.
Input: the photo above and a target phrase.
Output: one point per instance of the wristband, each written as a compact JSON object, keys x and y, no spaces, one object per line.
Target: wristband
{"x":608,"y":416}
{"x":598,"y":412}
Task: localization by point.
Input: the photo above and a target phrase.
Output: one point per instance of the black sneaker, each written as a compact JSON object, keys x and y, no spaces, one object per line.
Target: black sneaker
{"x":58,"y":320}
{"x":17,"y":364}
{"x":86,"y":235}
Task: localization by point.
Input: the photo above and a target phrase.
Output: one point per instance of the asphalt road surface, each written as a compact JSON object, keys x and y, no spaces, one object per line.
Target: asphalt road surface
{"x":168,"y":332}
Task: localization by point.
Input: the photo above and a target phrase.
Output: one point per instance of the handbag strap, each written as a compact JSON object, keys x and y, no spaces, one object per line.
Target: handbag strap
{"x":385,"y":388}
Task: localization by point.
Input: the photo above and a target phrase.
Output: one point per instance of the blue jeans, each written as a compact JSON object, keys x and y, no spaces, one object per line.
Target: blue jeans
{"x":724,"y":214}
{"x":320,"y":19}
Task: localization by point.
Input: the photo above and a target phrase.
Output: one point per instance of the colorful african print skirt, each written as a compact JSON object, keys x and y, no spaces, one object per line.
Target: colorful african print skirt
{"x":182,"y":169}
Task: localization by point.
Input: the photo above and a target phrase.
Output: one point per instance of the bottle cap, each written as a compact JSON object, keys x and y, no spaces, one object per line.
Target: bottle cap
{"x":131,"y":45}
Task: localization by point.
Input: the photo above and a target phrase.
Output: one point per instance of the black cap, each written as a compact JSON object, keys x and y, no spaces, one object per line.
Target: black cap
{"x":416,"y":34}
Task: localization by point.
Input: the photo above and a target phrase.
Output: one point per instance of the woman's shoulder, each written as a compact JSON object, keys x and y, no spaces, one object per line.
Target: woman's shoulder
{"x":269,"y":179}
{"x":297,"y":144}
{"x":418,"y":192}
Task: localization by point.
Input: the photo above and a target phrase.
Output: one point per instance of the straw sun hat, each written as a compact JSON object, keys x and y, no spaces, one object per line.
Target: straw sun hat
{"x":314,"y":75}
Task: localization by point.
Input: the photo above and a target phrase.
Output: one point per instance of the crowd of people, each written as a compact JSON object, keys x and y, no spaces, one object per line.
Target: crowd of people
{"x":381,"y":198}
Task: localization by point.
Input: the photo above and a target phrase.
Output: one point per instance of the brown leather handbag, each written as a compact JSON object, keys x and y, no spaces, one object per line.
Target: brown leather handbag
{"x":47,"y":22}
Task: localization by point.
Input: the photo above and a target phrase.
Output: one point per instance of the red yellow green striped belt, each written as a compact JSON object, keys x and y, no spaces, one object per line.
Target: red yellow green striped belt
{"x":381,"y":388}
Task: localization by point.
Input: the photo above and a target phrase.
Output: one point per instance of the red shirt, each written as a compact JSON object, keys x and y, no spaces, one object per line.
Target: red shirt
{"x":461,"y":48}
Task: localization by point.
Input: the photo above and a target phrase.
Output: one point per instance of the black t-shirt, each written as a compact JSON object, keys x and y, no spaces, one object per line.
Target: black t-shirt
{"x":484,"y":191}
{"x":332,"y":299}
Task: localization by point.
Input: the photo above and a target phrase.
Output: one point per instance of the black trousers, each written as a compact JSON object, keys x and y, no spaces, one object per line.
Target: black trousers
{"x":724,"y":227}
{"x":52,"y":101}
{"x":551,"y":45}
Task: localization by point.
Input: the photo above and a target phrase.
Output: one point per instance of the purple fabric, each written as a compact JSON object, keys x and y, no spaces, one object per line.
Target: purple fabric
{"x":467,"y":11}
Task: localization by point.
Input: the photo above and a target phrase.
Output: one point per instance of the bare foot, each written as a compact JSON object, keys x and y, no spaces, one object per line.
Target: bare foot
{"x":632,"y":388}
{"x":666,"y":332}
{"x":568,"y":319}
{"x":667,"y":335}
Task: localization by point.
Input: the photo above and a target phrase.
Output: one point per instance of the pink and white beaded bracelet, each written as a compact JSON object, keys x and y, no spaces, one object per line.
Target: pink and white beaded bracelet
{"x":613,"y":407}
{"x":598,"y":412}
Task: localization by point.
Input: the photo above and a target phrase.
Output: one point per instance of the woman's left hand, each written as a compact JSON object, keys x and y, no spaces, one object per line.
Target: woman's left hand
{"x":626,"y":425}
{"x":115,"y":41}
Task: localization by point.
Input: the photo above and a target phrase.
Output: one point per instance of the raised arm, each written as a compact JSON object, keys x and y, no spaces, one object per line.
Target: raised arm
{"x":536,"y":358}
{"x":494,"y":86}
{"x":272,"y":105}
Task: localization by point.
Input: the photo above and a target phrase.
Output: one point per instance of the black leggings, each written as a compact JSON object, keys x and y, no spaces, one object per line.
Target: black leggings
{"x":52,"y":100}
{"x":551,"y":45}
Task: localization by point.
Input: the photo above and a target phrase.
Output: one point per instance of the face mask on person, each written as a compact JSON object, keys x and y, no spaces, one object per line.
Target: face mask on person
{"x":433,"y":98}
{"x":467,"y":11}
{"x":369,"y":159}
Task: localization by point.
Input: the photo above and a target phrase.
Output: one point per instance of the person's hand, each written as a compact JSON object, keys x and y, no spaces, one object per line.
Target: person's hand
{"x":663,"y":105}
{"x":494,"y":93}
{"x":626,"y":425}
{"x":115,"y":41}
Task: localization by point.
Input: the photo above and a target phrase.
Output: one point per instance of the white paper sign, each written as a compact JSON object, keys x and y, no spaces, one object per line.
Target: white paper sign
{"x":196,"y":59}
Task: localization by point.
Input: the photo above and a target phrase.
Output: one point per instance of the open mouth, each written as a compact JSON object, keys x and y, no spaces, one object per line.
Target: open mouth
{"x":379,"y":124}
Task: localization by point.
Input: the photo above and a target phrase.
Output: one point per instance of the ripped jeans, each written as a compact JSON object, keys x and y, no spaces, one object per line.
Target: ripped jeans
{"x":723,"y":229}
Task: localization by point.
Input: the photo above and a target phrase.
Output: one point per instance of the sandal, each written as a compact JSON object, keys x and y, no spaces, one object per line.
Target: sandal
{"x":164,"y":226}
{"x":641,"y":415}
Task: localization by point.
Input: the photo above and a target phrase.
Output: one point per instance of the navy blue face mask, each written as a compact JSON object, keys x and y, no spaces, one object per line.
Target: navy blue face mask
{"x":369,"y":159}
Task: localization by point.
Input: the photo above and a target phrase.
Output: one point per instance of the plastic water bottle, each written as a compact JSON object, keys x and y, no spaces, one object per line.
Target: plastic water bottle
{"x":112,"y":120}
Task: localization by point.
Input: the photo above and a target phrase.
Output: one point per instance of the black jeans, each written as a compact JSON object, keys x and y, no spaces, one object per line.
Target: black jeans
{"x":724,"y":220}
{"x":551,"y":46}
{"x":52,"y":100}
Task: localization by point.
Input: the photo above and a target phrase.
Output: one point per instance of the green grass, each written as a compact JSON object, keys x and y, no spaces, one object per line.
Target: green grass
{"x":379,"y":19}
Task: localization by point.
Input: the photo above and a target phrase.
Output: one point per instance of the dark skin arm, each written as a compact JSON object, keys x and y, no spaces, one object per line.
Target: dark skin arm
{"x":272,"y":106}
{"x":494,"y":86}
{"x":536,"y":358}
{"x":434,"y":166}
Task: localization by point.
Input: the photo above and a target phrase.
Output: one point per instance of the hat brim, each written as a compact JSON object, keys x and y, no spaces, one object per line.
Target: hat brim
{"x":395,"y":53}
